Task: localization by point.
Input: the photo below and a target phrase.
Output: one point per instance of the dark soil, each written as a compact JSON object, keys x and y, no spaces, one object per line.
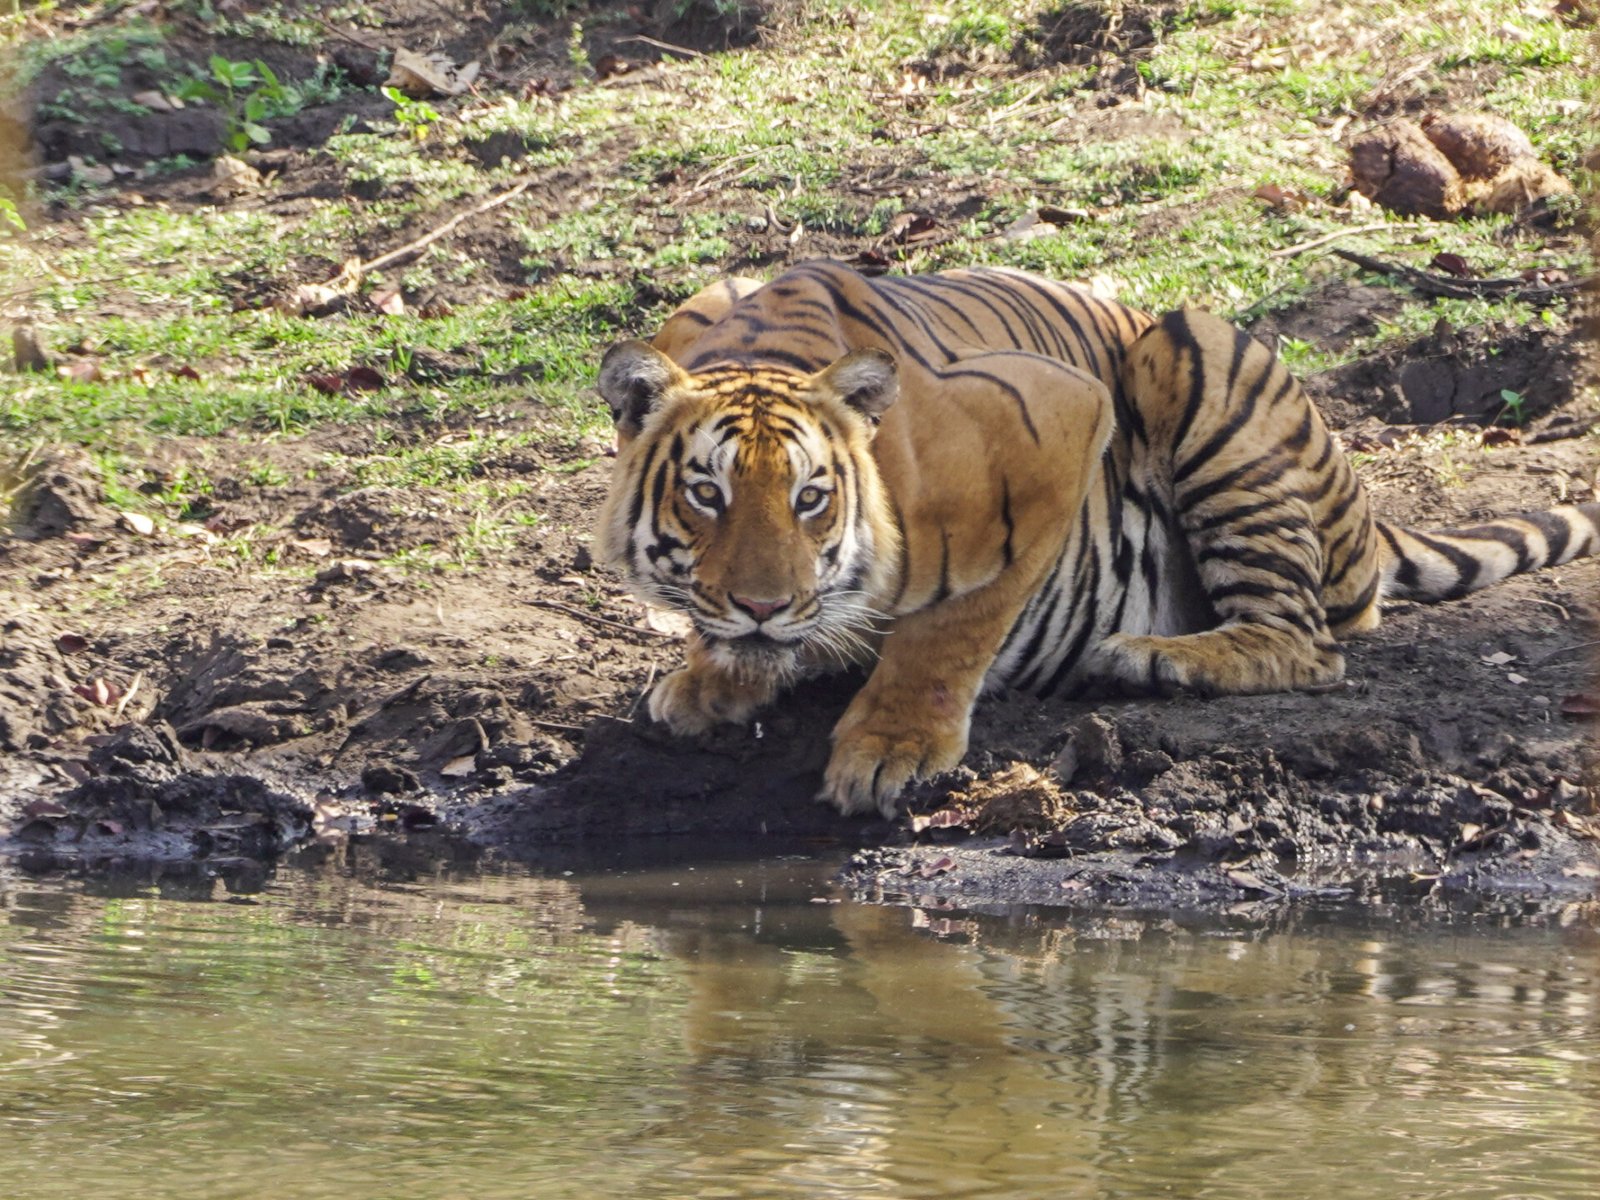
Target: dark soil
{"x":224,"y":715}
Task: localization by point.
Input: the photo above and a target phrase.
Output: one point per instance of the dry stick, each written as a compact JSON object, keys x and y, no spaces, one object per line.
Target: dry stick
{"x":1302,"y":247}
{"x":1462,"y":289}
{"x":667,"y":46}
{"x":427,"y":239}
{"x":571,"y":611}
{"x":1564,"y":651}
{"x":349,"y":37}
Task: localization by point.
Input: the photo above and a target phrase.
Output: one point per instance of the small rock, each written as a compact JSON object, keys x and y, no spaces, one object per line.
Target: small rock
{"x":385,"y":779}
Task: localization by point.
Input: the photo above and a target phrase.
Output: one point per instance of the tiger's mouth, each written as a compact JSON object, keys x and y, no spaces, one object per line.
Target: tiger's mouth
{"x":754,"y":654}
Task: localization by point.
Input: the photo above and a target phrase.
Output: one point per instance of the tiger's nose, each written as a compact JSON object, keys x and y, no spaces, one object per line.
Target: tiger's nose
{"x":759,"y":609}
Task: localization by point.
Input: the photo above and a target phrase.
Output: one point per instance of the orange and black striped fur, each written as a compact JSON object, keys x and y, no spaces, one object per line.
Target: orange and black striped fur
{"x":987,"y":478}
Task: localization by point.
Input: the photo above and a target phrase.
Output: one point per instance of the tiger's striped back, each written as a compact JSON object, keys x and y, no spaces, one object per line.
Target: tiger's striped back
{"x":1100,"y":498}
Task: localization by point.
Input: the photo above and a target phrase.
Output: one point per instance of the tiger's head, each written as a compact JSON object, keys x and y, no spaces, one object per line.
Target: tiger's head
{"x":747,"y":497}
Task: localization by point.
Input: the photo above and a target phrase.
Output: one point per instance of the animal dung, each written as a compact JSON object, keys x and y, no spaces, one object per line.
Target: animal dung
{"x":1397,"y":166}
{"x":1451,"y":164}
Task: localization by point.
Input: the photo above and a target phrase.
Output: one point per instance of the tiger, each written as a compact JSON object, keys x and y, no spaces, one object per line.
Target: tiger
{"x":980,"y":479}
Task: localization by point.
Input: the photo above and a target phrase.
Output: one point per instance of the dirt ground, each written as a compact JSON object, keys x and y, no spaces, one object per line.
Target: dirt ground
{"x":230,"y":714}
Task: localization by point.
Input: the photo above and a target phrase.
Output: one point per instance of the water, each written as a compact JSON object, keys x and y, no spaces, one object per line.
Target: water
{"x":713,"y":1032}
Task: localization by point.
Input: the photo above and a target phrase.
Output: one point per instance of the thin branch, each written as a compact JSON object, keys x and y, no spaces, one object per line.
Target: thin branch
{"x":1463,"y":289}
{"x":427,"y":239}
{"x":1302,"y":247}
{"x":659,"y":45}
{"x":1564,"y":651}
{"x":596,"y":619}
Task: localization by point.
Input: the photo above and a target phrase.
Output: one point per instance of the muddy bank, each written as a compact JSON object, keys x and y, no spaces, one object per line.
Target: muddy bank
{"x":310,"y":649}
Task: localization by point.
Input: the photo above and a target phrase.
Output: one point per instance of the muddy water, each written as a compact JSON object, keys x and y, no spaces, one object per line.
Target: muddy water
{"x":715,"y":1032}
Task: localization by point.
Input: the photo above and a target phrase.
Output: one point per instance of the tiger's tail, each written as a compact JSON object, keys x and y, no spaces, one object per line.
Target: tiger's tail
{"x":1442,"y":564}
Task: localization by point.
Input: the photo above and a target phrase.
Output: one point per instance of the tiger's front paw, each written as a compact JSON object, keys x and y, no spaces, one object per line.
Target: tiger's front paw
{"x":690,"y":701}
{"x":871,"y":764}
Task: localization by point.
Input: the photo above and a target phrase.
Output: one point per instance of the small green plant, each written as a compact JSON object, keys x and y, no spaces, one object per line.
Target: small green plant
{"x":1513,"y":407}
{"x":417,"y":116}
{"x":247,"y":93}
{"x":10,"y":215}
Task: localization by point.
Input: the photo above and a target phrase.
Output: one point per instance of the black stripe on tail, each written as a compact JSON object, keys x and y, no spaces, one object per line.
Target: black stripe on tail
{"x":1442,"y":564}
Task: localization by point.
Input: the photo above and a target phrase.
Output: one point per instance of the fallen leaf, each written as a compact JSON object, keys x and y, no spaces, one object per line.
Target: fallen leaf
{"x":43,"y":809}
{"x":1580,"y":705}
{"x":142,"y":525}
{"x":457,"y":768}
{"x":315,"y":299}
{"x":99,"y":692}
{"x":1028,"y":226}
{"x":388,"y":301}
{"x":608,"y":66}
{"x":1544,"y":276}
{"x":80,"y":370}
{"x":365,"y":379}
{"x":1453,"y":264}
{"x":90,"y":173}
{"x":72,"y":643}
{"x":420,"y":76}
{"x":315,"y":547}
{"x":328,"y":385}
{"x":1499,"y":435}
{"x":945,"y":818}
{"x":185,"y":372}
{"x":1499,"y":658}
{"x":668,"y":621}
{"x":908,"y":227}
{"x":1282,"y":198}
{"x":1252,"y":882}
{"x":234,"y":177}
{"x":1513,"y":677}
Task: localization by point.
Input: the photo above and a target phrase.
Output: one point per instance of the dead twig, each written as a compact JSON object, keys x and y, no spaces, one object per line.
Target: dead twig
{"x":128,"y":695}
{"x":643,"y":692}
{"x":1302,"y":247}
{"x":1463,"y":289}
{"x":596,"y":619}
{"x":1564,"y":651}
{"x":660,"y":45}
{"x":349,"y":37}
{"x":427,"y":239}
{"x":556,"y":726}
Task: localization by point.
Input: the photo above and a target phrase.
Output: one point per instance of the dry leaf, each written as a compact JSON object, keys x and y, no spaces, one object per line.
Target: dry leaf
{"x":420,"y":76}
{"x":316,"y":298}
{"x":138,"y":523}
{"x":388,"y":301}
{"x":1580,"y":704}
{"x":1499,"y":658}
{"x":1453,"y":264}
{"x":668,"y":621}
{"x":458,"y":768}
{"x":80,"y":370}
{"x":234,"y":177}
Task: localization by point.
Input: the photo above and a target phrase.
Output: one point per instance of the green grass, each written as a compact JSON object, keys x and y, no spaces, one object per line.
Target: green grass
{"x":1240,"y":94}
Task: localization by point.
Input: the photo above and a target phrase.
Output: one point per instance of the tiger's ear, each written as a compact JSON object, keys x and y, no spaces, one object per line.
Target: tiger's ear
{"x":634,"y":376}
{"x":866,"y":380}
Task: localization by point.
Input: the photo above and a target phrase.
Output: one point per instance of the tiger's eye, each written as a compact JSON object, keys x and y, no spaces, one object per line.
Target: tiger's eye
{"x":810,"y":497}
{"x":707,"y":493}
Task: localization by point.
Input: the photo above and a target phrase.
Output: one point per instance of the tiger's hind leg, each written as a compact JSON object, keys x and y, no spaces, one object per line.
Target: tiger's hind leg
{"x":1275,"y":523}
